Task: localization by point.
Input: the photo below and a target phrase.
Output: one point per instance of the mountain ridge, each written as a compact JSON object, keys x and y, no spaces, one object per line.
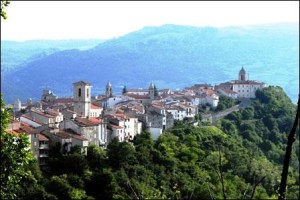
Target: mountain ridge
{"x":172,"y":56}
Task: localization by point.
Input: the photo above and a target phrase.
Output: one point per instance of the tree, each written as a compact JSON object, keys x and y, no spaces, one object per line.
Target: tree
{"x":287,"y":158}
{"x":3,"y":5}
{"x":155,"y":91}
{"x":96,"y":157}
{"x":15,"y":158}
{"x":124,"y":91}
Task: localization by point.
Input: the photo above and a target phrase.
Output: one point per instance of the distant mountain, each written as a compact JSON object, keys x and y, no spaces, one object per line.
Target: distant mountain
{"x":170,"y":56}
{"x":15,"y":55}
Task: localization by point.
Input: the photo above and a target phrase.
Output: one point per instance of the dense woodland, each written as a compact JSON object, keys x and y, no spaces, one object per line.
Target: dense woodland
{"x":241,"y":158}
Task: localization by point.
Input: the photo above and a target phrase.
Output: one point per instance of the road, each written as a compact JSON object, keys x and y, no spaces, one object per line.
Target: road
{"x":244,"y":104}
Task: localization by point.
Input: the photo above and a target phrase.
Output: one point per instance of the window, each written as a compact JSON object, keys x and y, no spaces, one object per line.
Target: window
{"x":79,"y":92}
{"x":87,"y":92}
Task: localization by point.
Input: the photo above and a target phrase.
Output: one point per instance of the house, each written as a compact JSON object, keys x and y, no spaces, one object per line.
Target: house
{"x":129,"y":125}
{"x":165,"y":92}
{"x":228,"y":93}
{"x":66,"y":138}
{"x":37,"y":117}
{"x":157,"y":119}
{"x":115,"y":131}
{"x":178,"y":112}
{"x":244,"y":87}
{"x":39,"y":142}
{"x":93,"y":129}
{"x":48,"y":96}
{"x":109,"y":102}
{"x":144,"y":99}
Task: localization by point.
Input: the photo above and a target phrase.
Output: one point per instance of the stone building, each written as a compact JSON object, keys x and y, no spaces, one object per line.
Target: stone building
{"x":243,"y":87}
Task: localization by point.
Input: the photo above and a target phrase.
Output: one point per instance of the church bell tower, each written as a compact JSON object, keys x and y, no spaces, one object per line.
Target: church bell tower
{"x":82,"y":98}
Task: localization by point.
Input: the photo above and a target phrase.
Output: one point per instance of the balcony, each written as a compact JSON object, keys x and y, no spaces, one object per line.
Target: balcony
{"x":44,"y":146}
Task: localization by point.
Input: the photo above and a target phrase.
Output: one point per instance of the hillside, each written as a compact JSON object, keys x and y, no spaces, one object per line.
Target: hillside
{"x":15,"y":55}
{"x":170,"y":56}
{"x":244,"y":152}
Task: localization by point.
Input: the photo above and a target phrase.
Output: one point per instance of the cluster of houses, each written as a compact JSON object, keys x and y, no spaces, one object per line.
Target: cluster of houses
{"x":85,"y":120}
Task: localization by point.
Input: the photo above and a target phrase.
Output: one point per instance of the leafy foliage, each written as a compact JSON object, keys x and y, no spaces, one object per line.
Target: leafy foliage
{"x":3,"y":5}
{"x":15,"y":157}
{"x":224,"y":103}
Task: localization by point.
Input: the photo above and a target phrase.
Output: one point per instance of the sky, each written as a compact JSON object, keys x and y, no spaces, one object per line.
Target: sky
{"x":29,"y":20}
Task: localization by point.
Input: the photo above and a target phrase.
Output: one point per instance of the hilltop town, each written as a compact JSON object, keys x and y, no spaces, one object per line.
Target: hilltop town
{"x":85,"y":120}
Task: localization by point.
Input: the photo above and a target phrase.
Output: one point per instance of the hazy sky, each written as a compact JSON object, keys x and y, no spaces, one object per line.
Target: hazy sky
{"x":103,"y":20}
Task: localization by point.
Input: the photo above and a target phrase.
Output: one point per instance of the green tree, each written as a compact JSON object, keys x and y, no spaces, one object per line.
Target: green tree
{"x":155,"y":91}
{"x":96,"y":157}
{"x":3,"y":5}
{"x":15,"y":158}
{"x":124,"y":91}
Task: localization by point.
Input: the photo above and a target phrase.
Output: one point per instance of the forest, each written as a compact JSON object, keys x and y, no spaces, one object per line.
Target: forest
{"x":240,"y":157}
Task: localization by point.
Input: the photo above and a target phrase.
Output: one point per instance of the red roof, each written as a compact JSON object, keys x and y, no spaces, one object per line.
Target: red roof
{"x":95,"y":119}
{"x":27,"y":128}
{"x":45,"y":114}
{"x":136,"y":96}
{"x":87,"y":122}
{"x":41,"y":137}
{"x":114,"y":126}
{"x":119,"y":115}
{"x":93,"y":106}
{"x":28,"y":116}
{"x":64,"y":100}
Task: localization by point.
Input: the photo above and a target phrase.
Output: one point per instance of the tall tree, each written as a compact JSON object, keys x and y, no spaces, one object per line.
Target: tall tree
{"x":155,"y":91}
{"x":124,"y":91}
{"x":287,"y":157}
{"x":15,"y":156}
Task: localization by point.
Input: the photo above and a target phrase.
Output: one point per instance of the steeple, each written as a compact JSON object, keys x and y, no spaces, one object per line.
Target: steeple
{"x":108,"y":91}
{"x":82,"y":98}
{"x":242,"y":75}
{"x":151,"y":90}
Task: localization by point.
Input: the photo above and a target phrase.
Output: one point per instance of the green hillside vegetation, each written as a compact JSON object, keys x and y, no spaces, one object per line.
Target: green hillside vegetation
{"x":244,"y":151}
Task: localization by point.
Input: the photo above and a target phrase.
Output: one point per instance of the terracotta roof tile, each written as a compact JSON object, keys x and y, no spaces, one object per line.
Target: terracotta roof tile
{"x":93,"y":106}
{"x":86,"y":122}
{"x":41,"y":137}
